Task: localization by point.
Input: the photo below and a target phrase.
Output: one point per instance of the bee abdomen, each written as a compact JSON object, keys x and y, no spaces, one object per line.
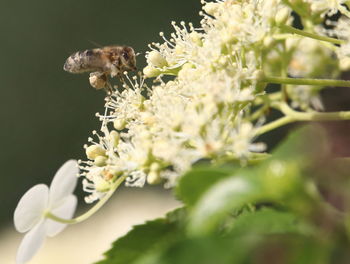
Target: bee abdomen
{"x":84,"y":61}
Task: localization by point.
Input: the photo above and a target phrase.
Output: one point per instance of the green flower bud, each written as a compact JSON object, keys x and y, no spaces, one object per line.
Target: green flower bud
{"x":282,"y":15}
{"x":211,"y":8}
{"x":114,"y":137}
{"x":94,"y":151}
{"x":156,"y":59}
{"x":119,"y":123}
{"x":150,"y":71}
{"x":100,"y":161}
{"x":155,"y":166}
{"x":154,"y":178}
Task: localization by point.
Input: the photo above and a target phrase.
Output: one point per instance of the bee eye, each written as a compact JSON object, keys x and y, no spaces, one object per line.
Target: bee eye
{"x":125,"y":55}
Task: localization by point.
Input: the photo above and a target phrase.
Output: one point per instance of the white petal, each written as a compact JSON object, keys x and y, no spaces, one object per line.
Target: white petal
{"x":31,"y":243}
{"x":65,"y":211}
{"x":64,"y":182}
{"x":31,"y":207}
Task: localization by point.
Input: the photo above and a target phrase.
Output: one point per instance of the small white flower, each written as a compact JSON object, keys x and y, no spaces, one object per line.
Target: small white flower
{"x":341,"y":30}
{"x":326,"y":7}
{"x":39,"y":200}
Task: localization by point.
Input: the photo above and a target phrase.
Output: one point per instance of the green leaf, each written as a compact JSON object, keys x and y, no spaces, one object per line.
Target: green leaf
{"x":194,"y":183}
{"x":307,"y":142}
{"x":267,"y":221}
{"x":279,"y":178}
{"x":204,"y":250}
{"x":220,"y":200}
{"x":144,"y":238}
{"x":280,"y":248}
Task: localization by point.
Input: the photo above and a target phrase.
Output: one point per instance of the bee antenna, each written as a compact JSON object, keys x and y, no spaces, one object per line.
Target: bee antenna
{"x":95,"y":43}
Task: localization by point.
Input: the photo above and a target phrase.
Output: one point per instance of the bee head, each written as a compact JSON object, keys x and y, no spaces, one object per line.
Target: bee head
{"x":129,"y":58}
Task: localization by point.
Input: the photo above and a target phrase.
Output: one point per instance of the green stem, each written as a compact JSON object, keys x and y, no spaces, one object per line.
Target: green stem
{"x":292,"y":116}
{"x":274,"y":124}
{"x":306,"y":81}
{"x":313,"y":116}
{"x":256,"y":158}
{"x":310,"y":35}
{"x":93,"y":210}
{"x":276,"y":96}
{"x":258,"y":113}
{"x":284,"y":73}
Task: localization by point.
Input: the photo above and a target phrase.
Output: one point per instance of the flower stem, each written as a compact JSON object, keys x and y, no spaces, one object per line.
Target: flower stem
{"x":93,"y":210}
{"x":310,"y":35}
{"x":291,"y":116}
{"x":259,"y":113}
{"x":313,"y":116}
{"x":274,"y":124}
{"x":306,"y":81}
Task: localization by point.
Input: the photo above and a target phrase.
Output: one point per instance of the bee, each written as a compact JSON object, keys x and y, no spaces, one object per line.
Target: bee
{"x":101,"y":62}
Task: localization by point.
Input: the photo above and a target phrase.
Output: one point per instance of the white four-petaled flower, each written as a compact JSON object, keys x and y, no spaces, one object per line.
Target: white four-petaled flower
{"x":32,"y":208}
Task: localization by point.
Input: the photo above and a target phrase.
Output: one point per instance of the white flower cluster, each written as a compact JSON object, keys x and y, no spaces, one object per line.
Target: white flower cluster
{"x":202,"y":109}
{"x":310,"y":59}
{"x":159,"y":133}
{"x":341,"y":30}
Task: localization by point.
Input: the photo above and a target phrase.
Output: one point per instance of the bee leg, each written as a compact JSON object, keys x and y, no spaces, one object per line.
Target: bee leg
{"x":98,"y":80}
{"x":108,"y":88}
{"x":121,"y":79}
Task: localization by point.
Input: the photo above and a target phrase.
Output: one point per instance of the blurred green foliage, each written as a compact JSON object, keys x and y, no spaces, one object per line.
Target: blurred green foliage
{"x":277,"y":211}
{"x":48,"y":114}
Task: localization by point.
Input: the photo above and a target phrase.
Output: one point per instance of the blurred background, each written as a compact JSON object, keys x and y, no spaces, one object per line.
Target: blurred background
{"x":48,"y":114}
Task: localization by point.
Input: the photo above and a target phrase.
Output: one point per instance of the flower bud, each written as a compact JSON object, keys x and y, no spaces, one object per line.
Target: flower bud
{"x":282,"y":15}
{"x":268,"y":41}
{"x":211,"y":8}
{"x":154,"y":177}
{"x":93,"y":151}
{"x":150,"y":71}
{"x":156,"y":59}
{"x":258,"y":75}
{"x":100,"y":161}
{"x":119,"y":123}
{"x":114,"y":138}
{"x":155,"y":166}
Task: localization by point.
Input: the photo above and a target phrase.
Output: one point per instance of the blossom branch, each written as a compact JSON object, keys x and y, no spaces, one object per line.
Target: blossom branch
{"x":306,"y":81}
{"x":293,"y":30}
{"x":93,"y":210}
{"x":275,"y":124}
{"x":292,"y":116}
{"x":313,"y":116}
